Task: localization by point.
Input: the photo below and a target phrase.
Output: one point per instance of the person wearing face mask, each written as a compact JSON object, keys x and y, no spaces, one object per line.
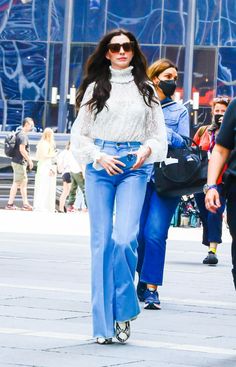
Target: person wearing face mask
{"x":225,"y":151}
{"x":205,"y":137}
{"x":158,"y":210}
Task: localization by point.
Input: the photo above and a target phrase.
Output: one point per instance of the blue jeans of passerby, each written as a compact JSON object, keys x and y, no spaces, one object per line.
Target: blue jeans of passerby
{"x":154,"y":225}
{"x":114,"y":242}
{"x":211,"y":222}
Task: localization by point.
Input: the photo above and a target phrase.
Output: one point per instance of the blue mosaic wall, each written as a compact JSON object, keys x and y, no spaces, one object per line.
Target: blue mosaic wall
{"x":31,"y":34}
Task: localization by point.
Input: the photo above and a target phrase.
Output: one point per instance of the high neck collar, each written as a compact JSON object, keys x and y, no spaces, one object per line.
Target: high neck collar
{"x":166,"y":100}
{"x":122,"y":76}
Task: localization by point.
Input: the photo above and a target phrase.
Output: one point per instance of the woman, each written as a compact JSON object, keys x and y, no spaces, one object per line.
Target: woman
{"x":212,"y":222}
{"x":158,"y":210}
{"x":119,"y":119}
{"x":45,"y":179}
{"x":225,"y":150}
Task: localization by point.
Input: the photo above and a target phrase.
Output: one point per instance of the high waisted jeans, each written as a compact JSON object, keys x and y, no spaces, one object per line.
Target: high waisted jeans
{"x":114,"y":243}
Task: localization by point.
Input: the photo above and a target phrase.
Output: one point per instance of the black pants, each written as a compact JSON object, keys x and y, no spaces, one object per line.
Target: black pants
{"x":231,"y":218}
{"x":212,"y":222}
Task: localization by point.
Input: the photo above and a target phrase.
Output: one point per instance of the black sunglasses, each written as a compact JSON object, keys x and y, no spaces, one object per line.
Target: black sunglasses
{"x":115,"y":47}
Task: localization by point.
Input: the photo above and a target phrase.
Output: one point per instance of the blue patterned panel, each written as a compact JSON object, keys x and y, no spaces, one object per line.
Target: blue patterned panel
{"x":174,"y":22}
{"x":207,"y":22}
{"x":204,"y":74}
{"x":23,"y":21}
{"x":22,"y":70}
{"x":57,"y":20}
{"x":143,"y":18}
{"x":36,"y":111}
{"x":12,"y":114}
{"x":228,"y":23}
{"x":15,"y":111}
{"x":54,"y":72}
{"x":175,"y":54}
{"x":78,"y":58}
{"x":88,"y":20}
{"x":51,"y":115}
{"x":226,"y":81}
{"x":152,"y":53}
{"x":204,"y":116}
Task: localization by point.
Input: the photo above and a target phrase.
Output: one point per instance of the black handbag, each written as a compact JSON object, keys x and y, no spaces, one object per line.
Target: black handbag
{"x":184,"y":172}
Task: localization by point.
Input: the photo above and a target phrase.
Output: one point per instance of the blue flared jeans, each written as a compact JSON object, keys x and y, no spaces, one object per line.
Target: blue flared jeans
{"x":115,"y":204}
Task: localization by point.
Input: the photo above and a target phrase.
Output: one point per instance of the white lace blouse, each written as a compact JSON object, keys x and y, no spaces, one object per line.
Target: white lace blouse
{"x":125,"y":119}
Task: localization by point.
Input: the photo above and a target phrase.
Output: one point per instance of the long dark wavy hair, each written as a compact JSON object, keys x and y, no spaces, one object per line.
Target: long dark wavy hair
{"x":97,"y":70}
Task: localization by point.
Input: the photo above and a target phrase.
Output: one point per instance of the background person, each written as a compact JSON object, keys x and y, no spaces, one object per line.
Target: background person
{"x":20,"y":161}
{"x":118,"y":115}
{"x":225,"y":151}
{"x":77,"y":183}
{"x":45,"y":178}
{"x":158,"y":210}
{"x":212,"y":222}
{"x":65,"y":163}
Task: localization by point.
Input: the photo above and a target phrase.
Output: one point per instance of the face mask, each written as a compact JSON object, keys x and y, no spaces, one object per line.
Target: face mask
{"x":168,"y":87}
{"x":218,"y":119}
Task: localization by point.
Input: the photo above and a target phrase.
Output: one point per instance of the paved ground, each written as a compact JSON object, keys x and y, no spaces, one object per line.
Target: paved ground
{"x":45,"y":318}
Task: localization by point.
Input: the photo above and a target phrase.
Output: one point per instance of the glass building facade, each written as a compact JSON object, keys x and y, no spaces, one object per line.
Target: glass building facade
{"x":31,"y":48}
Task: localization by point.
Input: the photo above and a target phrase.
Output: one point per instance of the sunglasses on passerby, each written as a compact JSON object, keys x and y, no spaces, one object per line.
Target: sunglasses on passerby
{"x":115,"y":47}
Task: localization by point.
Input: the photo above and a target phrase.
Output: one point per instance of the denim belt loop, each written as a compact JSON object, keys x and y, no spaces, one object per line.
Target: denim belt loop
{"x":99,"y":142}
{"x":130,"y":146}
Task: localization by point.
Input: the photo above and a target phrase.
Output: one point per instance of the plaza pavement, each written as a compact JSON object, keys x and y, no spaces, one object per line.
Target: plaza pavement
{"x":45,"y":318}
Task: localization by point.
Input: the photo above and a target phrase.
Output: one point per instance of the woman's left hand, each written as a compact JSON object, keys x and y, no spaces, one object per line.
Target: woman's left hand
{"x":142,"y":154}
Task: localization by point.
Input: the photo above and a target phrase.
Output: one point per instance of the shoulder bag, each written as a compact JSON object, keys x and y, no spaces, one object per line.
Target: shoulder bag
{"x":184,"y":172}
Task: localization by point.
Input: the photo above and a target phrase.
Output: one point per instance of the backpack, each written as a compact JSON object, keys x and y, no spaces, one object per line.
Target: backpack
{"x":202,"y":130}
{"x":10,"y":144}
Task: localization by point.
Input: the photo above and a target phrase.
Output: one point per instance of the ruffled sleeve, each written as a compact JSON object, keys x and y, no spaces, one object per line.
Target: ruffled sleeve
{"x":156,"y":136}
{"x":82,"y":145}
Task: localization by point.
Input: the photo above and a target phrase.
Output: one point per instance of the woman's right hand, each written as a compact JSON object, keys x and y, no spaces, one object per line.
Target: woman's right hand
{"x":109,"y":163}
{"x":51,"y":172}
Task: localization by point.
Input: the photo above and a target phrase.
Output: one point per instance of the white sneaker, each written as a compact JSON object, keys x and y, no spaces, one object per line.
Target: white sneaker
{"x":101,"y":340}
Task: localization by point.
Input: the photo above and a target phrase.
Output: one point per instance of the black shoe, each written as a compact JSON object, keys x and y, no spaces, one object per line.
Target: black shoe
{"x":211,"y":259}
{"x":152,"y":301}
{"x":122,"y":331}
{"x":141,"y":288}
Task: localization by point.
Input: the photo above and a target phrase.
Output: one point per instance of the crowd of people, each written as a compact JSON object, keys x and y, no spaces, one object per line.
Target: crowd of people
{"x":127,"y":118}
{"x":50,"y":163}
